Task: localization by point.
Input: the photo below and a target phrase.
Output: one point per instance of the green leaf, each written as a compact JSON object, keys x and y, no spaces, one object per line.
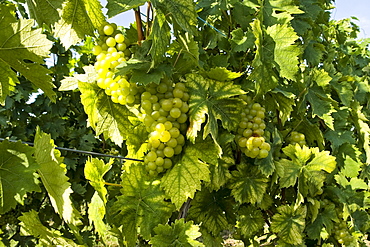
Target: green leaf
{"x":53,"y":175}
{"x":78,"y":18}
{"x":285,"y":52}
{"x":241,"y":41}
{"x":17,"y":174}
{"x":248,"y":184}
{"x":208,"y":209}
{"x":141,"y":206}
{"x":222,"y":74}
{"x":282,"y":101}
{"x":22,"y":48}
{"x":314,"y":53}
{"x":182,"y":11}
{"x":309,"y":166}
{"x":362,"y":127}
{"x":39,"y":8}
{"x":178,"y":234}
{"x":263,"y":74}
{"x":160,"y":37}
{"x":185,"y":177}
{"x":351,"y":167}
{"x":31,"y":225}
{"x":96,"y":211}
{"x":95,"y":169}
{"x":250,"y":221}
{"x":289,"y":223}
{"x":215,"y":100}
{"x":118,"y":6}
{"x":324,"y":220}
{"x":105,"y":116}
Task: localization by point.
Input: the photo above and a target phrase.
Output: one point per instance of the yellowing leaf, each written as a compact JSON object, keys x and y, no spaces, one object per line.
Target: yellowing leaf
{"x":23,"y":49}
{"x":250,"y":221}
{"x":248,"y":184}
{"x":289,"y":223}
{"x":222,"y":74}
{"x":184,"y":179}
{"x":141,"y":206}
{"x":53,"y":175}
{"x":105,"y":117}
{"x":95,"y":170}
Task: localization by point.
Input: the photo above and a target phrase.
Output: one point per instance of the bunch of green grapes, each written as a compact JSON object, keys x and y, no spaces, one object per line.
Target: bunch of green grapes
{"x":110,"y":51}
{"x":296,"y":137}
{"x":165,"y":107}
{"x":341,"y":232}
{"x":251,"y":129}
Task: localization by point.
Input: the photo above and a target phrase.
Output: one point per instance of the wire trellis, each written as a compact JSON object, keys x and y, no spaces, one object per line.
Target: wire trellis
{"x":81,"y":151}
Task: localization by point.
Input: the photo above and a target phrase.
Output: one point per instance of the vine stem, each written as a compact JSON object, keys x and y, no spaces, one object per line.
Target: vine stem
{"x":139,"y":26}
{"x":184,"y":209}
{"x":112,"y":184}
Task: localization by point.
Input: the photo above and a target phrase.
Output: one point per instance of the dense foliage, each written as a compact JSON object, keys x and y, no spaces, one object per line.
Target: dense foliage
{"x":247,"y":119}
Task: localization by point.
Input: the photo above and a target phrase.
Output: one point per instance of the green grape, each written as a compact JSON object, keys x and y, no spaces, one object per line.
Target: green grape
{"x":263,"y":153}
{"x":177,"y":103}
{"x":178,"y":93}
{"x":165,"y":136}
{"x":180,"y":139}
{"x":175,"y":112}
{"x":172,"y":143}
{"x":110,"y":42}
{"x":160,"y":127}
{"x":168,"y":125}
{"x":108,"y":29}
{"x":175,"y":132}
{"x":168,"y":152}
{"x":151,"y":166}
{"x":167,"y":163}
{"x":97,"y":50}
{"x":119,"y":38}
{"x":177,"y":149}
{"x":182,"y":119}
{"x":166,"y":104}
{"x":160,"y":169}
{"x":242,"y":142}
{"x":152,"y":156}
{"x":159,"y":161}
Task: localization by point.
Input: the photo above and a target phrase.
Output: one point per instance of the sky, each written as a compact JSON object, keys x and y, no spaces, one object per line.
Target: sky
{"x":358,"y":8}
{"x":344,"y":9}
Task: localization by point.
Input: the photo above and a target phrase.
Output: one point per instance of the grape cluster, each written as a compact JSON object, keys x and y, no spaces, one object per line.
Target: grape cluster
{"x":110,"y":51}
{"x":341,"y":233}
{"x":251,"y":129}
{"x":165,"y":107}
{"x":296,"y":137}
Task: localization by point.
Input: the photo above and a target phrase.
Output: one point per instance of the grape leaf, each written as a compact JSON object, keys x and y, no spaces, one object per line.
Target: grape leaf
{"x":182,"y":11}
{"x":38,"y":8}
{"x":263,"y":75}
{"x":95,"y":169}
{"x":160,"y":37}
{"x":118,"y":6}
{"x":362,"y":126}
{"x":78,"y":18}
{"x":105,"y":116}
{"x":309,"y":166}
{"x":250,"y":221}
{"x":248,"y":184}
{"x":141,"y":206}
{"x":241,"y":41}
{"x":208,"y":209}
{"x":324,"y":220}
{"x":17,"y":174}
{"x":178,"y":234}
{"x":96,"y":211}
{"x":22,"y":48}
{"x":214,"y":99}
{"x":222,"y":74}
{"x":285,"y":52}
{"x":31,"y":225}
{"x":53,"y":175}
{"x":289,"y":223}
{"x":185,"y":177}
{"x":282,"y":101}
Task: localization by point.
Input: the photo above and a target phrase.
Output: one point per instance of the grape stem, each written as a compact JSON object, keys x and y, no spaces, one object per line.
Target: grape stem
{"x":140,"y":33}
{"x":112,"y":184}
{"x":184,"y":209}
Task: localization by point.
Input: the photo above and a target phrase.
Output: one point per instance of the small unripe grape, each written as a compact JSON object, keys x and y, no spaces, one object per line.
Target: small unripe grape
{"x":119,"y":38}
{"x":160,"y":169}
{"x":159,"y":161}
{"x":97,"y":50}
{"x":177,"y":102}
{"x":263,"y":153}
{"x":175,"y":132}
{"x":178,"y":149}
{"x":152,"y":156}
{"x":172,"y":143}
{"x":178,"y":93}
{"x":180,"y":139}
{"x":242,"y":142}
{"x":265,"y":146}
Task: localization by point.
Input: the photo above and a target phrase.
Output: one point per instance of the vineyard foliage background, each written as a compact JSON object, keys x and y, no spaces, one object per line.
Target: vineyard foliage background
{"x":308,"y":71}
